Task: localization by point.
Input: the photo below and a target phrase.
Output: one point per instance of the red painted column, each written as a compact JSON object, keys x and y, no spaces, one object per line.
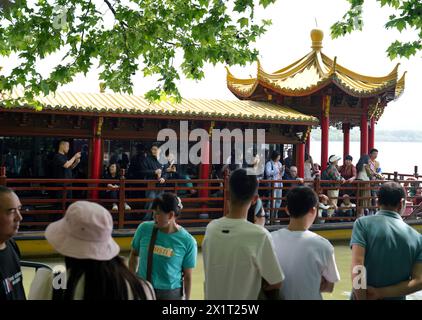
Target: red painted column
{"x":308,"y":144}
{"x":364,"y":129}
{"x":371,"y":137}
{"x":346,"y":140}
{"x":204,"y":168}
{"x":96,"y":159}
{"x":300,"y":159}
{"x":325,"y":127}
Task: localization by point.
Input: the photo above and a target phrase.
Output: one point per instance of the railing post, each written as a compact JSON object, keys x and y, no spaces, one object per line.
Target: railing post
{"x":225,"y":192}
{"x":122,"y":199}
{"x":358,"y":202}
{"x":396,"y":176}
{"x":3,"y":178}
{"x":416,"y":172}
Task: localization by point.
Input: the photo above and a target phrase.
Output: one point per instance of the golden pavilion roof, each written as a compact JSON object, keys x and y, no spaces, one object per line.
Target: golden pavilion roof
{"x":116,"y":103}
{"x":313,"y":72}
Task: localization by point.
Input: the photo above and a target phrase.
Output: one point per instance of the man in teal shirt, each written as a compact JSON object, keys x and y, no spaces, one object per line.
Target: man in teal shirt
{"x":389,"y":249}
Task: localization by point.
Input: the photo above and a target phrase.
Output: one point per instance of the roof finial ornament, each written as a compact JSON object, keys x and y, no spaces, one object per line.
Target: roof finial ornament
{"x":317,"y":35}
{"x":333,"y":69}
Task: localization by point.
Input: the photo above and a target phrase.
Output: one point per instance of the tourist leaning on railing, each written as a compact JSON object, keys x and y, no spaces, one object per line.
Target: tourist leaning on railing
{"x":152,"y":169}
{"x":11,"y":287}
{"x":274,"y":170}
{"x":292,"y":175}
{"x":349,"y":173}
{"x":94,"y":269}
{"x":163,"y":252}
{"x":309,"y":173}
{"x":364,"y":174}
{"x":332,"y":173}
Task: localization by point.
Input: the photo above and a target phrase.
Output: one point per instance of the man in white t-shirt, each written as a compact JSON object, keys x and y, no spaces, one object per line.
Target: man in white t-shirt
{"x":238,"y":255}
{"x":307,"y":259}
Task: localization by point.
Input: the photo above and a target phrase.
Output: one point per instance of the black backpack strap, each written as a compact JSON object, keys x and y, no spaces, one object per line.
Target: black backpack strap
{"x":151,"y":253}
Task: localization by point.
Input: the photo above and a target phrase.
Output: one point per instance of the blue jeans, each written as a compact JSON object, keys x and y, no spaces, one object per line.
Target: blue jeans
{"x":277,"y":193}
{"x":150,"y":194}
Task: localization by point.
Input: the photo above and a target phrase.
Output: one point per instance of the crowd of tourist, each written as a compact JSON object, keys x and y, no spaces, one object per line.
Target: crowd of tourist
{"x":242,"y":259}
{"x":347,"y":201}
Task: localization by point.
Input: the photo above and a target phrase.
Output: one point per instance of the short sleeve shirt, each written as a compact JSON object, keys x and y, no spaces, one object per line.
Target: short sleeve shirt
{"x":173,"y":253}
{"x":237,"y":256}
{"x":305,"y":258}
{"x":61,"y":172}
{"x":11,"y":285}
{"x":388,"y":241}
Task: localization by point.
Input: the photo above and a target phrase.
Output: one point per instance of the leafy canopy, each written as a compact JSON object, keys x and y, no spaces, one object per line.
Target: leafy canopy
{"x":118,"y":37}
{"x":409,"y":16}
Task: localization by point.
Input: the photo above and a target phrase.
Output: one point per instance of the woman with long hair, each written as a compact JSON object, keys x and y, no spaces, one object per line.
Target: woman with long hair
{"x":93,"y":268}
{"x":364,"y":174}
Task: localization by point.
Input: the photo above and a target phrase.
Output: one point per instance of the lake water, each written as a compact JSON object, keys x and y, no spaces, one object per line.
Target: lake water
{"x":341,"y":289}
{"x":393,"y":156}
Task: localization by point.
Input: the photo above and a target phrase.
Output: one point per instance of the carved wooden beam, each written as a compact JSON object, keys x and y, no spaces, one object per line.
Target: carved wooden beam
{"x":51,"y":121}
{"x":116,"y":123}
{"x":140,"y":124}
{"x":78,"y":122}
{"x":23,"y":122}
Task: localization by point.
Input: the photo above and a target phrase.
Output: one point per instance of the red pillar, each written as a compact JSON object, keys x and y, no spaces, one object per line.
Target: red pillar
{"x":371,"y":136}
{"x":346,"y":140}
{"x":364,"y":128}
{"x":308,"y":144}
{"x":325,"y":126}
{"x":300,"y":160}
{"x":204,"y":168}
{"x":96,"y":159}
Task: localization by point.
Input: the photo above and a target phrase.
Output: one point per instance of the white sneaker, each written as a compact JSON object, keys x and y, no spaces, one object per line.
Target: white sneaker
{"x":115,"y":207}
{"x":127,"y":207}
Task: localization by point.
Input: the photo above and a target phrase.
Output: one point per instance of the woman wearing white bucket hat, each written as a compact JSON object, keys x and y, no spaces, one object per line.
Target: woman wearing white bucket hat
{"x":332,"y":173}
{"x":94,"y":270}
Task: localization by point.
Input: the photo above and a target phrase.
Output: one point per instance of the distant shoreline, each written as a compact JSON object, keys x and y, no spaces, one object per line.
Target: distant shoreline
{"x":380,"y":136}
{"x":377,"y":140}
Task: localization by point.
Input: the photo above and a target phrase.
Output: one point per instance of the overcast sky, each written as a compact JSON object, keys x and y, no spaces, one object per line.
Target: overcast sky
{"x":288,"y":39}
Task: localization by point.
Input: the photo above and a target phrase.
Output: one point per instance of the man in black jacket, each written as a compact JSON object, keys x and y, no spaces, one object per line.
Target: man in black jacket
{"x":152,"y":169}
{"x":11,"y":284}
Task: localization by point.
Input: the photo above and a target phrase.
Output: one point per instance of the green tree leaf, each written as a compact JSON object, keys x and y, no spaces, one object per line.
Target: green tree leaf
{"x":409,"y":16}
{"x":143,"y":36}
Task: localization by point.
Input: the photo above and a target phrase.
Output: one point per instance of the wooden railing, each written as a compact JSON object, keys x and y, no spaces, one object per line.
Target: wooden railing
{"x":403,"y":176}
{"x":45,"y":200}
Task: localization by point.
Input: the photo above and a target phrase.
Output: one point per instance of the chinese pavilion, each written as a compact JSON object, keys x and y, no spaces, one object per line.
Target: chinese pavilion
{"x":97,"y":118}
{"x":317,"y":85}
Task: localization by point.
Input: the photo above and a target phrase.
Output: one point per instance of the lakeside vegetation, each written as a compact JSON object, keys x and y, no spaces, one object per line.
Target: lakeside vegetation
{"x":380,"y":135}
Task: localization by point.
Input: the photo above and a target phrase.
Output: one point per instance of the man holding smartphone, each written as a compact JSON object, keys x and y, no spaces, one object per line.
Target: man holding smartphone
{"x":62,"y":166}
